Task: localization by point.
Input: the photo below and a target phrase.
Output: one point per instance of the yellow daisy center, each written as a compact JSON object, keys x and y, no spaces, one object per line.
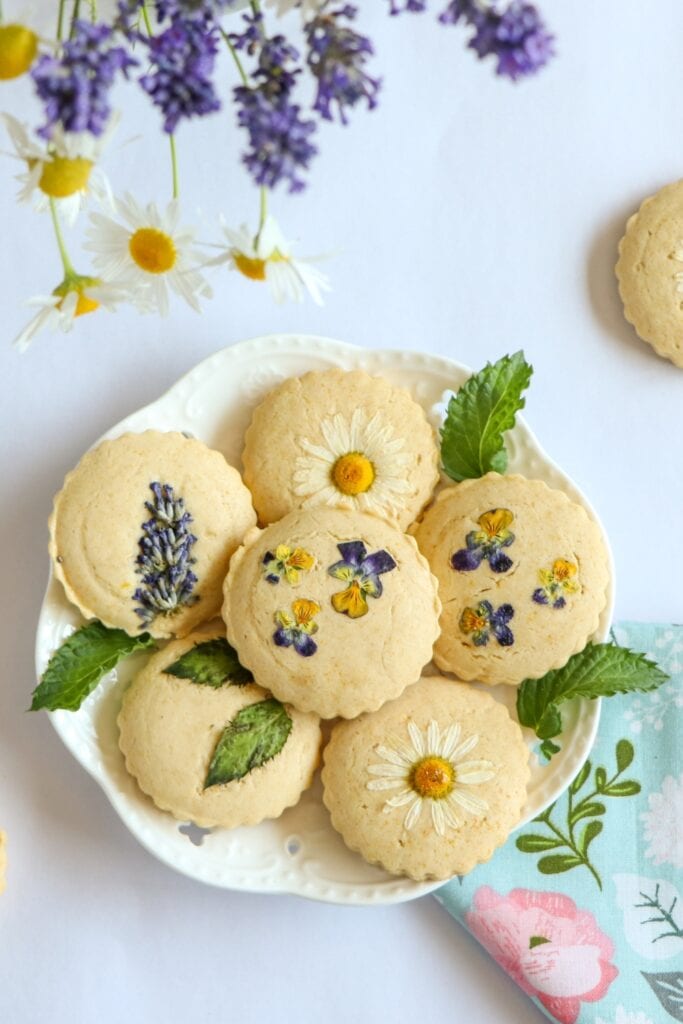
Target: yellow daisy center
{"x":353,"y":473}
{"x":62,"y":177}
{"x":254,"y":267}
{"x":18,"y":49}
{"x":153,"y":250}
{"x":85,"y":303}
{"x":432,"y":777}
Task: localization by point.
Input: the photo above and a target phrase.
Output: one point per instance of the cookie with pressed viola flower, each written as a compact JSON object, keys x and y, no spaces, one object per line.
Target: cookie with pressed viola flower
{"x":207,"y":744}
{"x":431,"y":784}
{"x":523,"y":575}
{"x":340,"y":439}
{"x":142,"y":532}
{"x":332,"y":611}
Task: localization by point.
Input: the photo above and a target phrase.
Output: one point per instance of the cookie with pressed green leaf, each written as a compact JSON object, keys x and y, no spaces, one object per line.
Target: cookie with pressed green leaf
{"x":207,"y":744}
{"x":333,"y":611}
{"x":523,"y":575}
{"x":431,"y":784}
{"x":340,"y":439}
{"x":142,"y":532}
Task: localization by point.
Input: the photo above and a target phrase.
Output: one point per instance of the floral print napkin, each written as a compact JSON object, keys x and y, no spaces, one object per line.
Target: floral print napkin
{"x":583,"y":907}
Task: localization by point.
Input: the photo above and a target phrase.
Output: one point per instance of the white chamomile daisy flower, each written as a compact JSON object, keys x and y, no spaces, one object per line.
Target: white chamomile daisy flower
{"x":144,"y":251}
{"x":74,"y":297}
{"x":305,"y":6}
{"x":62,"y":169}
{"x":432,"y":769}
{"x":268,"y":257}
{"x":360,"y":466}
{"x":18,"y":46}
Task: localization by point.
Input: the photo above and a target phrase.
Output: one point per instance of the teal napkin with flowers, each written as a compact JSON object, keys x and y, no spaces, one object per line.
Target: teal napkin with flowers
{"x":583,"y":907}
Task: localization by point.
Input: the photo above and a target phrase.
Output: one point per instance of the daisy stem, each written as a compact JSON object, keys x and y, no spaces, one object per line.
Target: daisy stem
{"x":75,"y":16}
{"x":262,"y":214}
{"x":236,"y":58}
{"x":60,"y":20}
{"x":145,"y":18}
{"x":61,"y":245}
{"x":174,"y":166}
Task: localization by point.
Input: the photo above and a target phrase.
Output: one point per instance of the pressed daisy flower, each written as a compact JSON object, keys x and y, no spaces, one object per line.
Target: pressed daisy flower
{"x":361,"y":465}
{"x":432,"y":770}
{"x":74,"y":297}
{"x":146,"y":252}
{"x":63,"y":169}
{"x":268,"y":257}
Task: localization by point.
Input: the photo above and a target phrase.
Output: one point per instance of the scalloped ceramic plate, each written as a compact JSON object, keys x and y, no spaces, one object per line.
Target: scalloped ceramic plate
{"x":299,"y":853}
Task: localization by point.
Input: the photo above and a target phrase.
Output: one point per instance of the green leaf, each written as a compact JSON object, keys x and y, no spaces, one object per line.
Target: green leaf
{"x":548,"y":748}
{"x":600,"y":670}
{"x":629,"y":787}
{"x":580,"y":778}
{"x":592,"y":829}
{"x":75,"y":669}
{"x":256,"y":734}
{"x":600,"y":778}
{"x":589,"y":810}
{"x":537,"y":940}
{"x":557,"y":863}
{"x":210,"y":663}
{"x":472,"y":442}
{"x":537,"y":844}
{"x":625,"y":754}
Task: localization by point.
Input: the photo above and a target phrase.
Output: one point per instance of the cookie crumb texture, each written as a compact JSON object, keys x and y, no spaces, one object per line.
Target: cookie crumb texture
{"x":650,"y":272}
{"x":142,"y":532}
{"x":523,"y":575}
{"x":332,"y":611}
{"x":168,"y":732}
{"x":340,"y":439}
{"x":430,"y":785}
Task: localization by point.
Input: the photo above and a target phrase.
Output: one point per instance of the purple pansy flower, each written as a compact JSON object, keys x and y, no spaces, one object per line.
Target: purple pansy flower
{"x":296,"y":630}
{"x":361,"y":572}
{"x":486,"y":543}
{"x":481,"y":622}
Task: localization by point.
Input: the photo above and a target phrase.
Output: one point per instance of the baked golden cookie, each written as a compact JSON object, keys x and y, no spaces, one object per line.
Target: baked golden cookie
{"x":429,"y":785}
{"x":143,"y":529}
{"x":650,"y":272}
{"x":523,"y":575}
{"x":333,"y":611}
{"x":340,"y":439}
{"x":215,"y":753}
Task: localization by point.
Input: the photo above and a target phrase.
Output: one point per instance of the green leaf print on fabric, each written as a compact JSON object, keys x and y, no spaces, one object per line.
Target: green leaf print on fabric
{"x":582,"y":817}
{"x":668,"y":988}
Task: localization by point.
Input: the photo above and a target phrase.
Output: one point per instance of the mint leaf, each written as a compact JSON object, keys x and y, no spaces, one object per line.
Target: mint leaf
{"x":210,"y":663}
{"x":75,"y":669}
{"x":600,"y":670}
{"x":483,"y":409}
{"x":256,"y":734}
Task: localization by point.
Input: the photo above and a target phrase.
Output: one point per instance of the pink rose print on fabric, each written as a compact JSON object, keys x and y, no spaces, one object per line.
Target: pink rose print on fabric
{"x":553,"y":950}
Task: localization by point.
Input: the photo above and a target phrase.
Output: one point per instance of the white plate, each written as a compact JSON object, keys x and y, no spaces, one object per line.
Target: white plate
{"x":299,"y":853}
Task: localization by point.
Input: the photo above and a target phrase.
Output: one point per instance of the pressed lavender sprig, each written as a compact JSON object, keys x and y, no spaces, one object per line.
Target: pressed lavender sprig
{"x":182,"y":59}
{"x":337,"y":56}
{"x":165,"y":557}
{"x":516,"y":35}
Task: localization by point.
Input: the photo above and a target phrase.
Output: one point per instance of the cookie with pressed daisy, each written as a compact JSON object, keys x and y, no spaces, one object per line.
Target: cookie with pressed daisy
{"x":431,"y":784}
{"x":207,"y":744}
{"x":142,"y":532}
{"x":650,"y":272}
{"x":340,"y":439}
{"x":333,"y":611}
{"x":523,"y":575}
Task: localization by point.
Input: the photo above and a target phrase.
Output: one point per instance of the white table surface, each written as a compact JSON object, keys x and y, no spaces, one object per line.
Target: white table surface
{"x":467,"y":217}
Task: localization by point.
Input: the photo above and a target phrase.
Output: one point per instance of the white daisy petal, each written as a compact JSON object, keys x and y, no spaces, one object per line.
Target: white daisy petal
{"x":464,"y":748}
{"x":475,"y":772}
{"x":398,"y":801}
{"x":449,"y":817}
{"x":413,"y":814}
{"x":387,"y":771}
{"x":385,"y":783}
{"x":438,"y":818}
{"x":449,"y":740}
{"x":393,"y":756}
{"x":416,"y":739}
{"x":433,"y":737}
{"x":474,"y":804}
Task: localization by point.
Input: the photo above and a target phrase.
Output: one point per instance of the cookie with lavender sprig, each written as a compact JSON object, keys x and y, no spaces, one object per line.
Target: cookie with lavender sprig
{"x":142,"y":532}
{"x":523,"y":570}
{"x":340,"y":439}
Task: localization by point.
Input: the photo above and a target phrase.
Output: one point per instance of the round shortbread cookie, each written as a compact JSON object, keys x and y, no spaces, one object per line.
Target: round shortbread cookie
{"x":333,"y":611}
{"x":340,"y":439}
{"x":171,"y":727}
{"x":523,"y":575}
{"x":142,"y":532}
{"x":650,"y":272}
{"x":430,"y":785}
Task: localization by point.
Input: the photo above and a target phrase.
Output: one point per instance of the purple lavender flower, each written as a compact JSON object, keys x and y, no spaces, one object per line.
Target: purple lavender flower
{"x":75,"y":87}
{"x":179,"y":83}
{"x":516,"y":36}
{"x":165,"y":557}
{"x":337,"y":55}
{"x":411,"y":6}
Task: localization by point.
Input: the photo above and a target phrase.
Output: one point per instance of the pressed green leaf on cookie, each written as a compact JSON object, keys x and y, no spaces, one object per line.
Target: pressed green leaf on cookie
{"x":472,"y":441}
{"x":256,"y":734}
{"x":210,"y":663}
{"x":75,"y":669}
